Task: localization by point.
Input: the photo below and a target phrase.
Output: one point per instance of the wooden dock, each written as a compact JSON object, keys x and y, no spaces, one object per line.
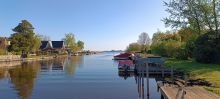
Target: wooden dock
{"x":171,"y":91}
{"x":194,"y":92}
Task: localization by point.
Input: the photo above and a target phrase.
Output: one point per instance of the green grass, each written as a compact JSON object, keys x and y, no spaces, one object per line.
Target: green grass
{"x":207,"y":72}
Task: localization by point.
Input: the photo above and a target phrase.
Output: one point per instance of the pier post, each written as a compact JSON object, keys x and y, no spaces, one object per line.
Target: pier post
{"x":147,"y":76}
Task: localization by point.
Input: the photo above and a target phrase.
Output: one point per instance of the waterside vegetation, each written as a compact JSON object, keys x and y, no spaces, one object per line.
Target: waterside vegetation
{"x":25,"y":42}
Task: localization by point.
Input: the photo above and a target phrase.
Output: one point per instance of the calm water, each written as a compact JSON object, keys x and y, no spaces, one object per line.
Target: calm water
{"x":82,"y":77}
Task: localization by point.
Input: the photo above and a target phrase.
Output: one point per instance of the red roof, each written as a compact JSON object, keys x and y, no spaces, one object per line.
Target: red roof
{"x":123,"y":55}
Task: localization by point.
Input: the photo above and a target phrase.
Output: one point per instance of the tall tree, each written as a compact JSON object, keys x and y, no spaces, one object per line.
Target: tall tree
{"x":144,"y":40}
{"x":70,"y":41}
{"x":197,"y":14}
{"x":80,"y":45}
{"x":23,"y":39}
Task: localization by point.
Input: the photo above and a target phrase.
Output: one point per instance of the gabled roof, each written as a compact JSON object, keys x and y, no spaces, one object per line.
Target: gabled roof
{"x":43,"y":44}
{"x":57,"y":44}
{"x":51,"y":45}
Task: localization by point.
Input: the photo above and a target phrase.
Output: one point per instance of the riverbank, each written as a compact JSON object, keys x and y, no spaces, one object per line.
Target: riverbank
{"x":14,"y":62}
{"x":207,"y":72}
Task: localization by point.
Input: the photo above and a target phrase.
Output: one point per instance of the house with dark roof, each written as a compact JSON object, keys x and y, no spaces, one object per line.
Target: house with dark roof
{"x":53,"y":46}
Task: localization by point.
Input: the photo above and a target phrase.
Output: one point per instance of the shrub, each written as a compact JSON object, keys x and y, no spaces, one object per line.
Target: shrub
{"x":206,"y":48}
{"x":182,"y":54}
{"x":159,"y":49}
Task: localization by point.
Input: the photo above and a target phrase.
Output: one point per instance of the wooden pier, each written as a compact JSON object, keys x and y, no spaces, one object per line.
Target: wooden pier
{"x":170,"y":91}
{"x":192,"y":92}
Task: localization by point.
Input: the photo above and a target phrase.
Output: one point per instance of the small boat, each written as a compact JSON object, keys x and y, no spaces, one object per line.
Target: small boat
{"x":126,"y":65}
{"x":123,"y":56}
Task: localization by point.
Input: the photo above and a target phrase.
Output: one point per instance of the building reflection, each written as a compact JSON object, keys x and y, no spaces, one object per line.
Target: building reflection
{"x":55,"y":64}
{"x":67,"y":65}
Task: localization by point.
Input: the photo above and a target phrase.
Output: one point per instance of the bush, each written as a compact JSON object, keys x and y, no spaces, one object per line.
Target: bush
{"x":159,"y":49}
{"x":207,"y":48}
{"x":190,"y":46}
{"x":182,"y":54}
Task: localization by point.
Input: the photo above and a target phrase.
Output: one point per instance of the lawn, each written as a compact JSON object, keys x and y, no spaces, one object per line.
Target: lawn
{"x":208,"y":72}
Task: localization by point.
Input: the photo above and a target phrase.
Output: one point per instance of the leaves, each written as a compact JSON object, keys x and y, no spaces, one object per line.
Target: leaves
{"x":24,"y":38}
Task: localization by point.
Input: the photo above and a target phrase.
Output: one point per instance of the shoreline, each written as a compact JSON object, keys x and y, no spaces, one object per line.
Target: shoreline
{"x":16,"y":62}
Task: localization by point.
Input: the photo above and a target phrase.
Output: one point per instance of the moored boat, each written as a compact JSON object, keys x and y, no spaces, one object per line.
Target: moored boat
{"x":122,"y":56}
{"x":126,"y":65}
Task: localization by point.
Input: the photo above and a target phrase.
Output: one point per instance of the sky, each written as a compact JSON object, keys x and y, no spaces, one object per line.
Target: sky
{"x":101,"y":24}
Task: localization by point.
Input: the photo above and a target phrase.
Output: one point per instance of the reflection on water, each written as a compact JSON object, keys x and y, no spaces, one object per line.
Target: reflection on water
{"x":80,"y":77}
{"x":71,"y":63}
{"x":23,"y":78}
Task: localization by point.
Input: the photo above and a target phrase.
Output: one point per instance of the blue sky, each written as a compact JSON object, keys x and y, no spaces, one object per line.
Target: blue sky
{"x":101,"y":24}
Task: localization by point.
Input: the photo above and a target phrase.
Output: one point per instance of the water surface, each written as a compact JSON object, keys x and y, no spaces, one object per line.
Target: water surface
{"x":80,"y":77}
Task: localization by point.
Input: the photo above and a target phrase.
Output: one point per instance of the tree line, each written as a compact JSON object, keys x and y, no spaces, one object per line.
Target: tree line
{"x":195,"y":31}
{"x":25,"y":40}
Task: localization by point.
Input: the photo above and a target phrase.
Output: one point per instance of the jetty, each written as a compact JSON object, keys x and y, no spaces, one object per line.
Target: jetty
{"x":176,"y":89}
{"x":191,"y":92}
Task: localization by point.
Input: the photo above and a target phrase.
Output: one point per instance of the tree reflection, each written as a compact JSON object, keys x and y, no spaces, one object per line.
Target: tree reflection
{"x":2,"y":73}
{"x":23,"y":78}
{"x":71,"y":63}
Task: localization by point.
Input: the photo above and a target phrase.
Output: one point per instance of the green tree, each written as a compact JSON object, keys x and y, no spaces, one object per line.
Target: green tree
{"x":23,"y":40}
{"x":207,"y":48}
{"x":37,"y":43}
{"x":80,"y":45}
{"x":196,"y":14}
{"x":70,"y":42}
{"x":134,"y":47}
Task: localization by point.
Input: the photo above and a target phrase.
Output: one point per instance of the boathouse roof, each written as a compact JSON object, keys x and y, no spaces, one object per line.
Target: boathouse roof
{"x":51,"y":45}
{"x":123,"y":55}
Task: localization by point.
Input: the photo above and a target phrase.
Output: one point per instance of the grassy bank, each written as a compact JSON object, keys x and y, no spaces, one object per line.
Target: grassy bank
{"x":208,"y":72}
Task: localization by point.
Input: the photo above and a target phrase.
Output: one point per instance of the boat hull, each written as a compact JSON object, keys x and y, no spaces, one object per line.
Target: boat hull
{"x":121,"y":58}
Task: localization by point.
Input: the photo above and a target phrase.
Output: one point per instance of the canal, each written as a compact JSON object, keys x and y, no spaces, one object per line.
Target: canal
{"x":80,"y":77}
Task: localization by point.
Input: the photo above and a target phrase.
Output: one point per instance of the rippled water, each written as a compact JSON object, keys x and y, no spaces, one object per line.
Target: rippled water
{"x":81,"y":77}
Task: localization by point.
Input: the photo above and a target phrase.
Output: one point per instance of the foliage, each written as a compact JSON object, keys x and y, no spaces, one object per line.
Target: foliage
{"x":206,"y":48}
{"x":213,"y":89}
{"x":144,"y":40}
{"x":197,"y":14}
{"x":133,"y":47}
{"x":168,"y":45}
{"x":37,"y":43}
{"x":70,"y":41}
{"x":208,"y":72}
{"x":80,"y":45}
{"x":23,"y":39}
